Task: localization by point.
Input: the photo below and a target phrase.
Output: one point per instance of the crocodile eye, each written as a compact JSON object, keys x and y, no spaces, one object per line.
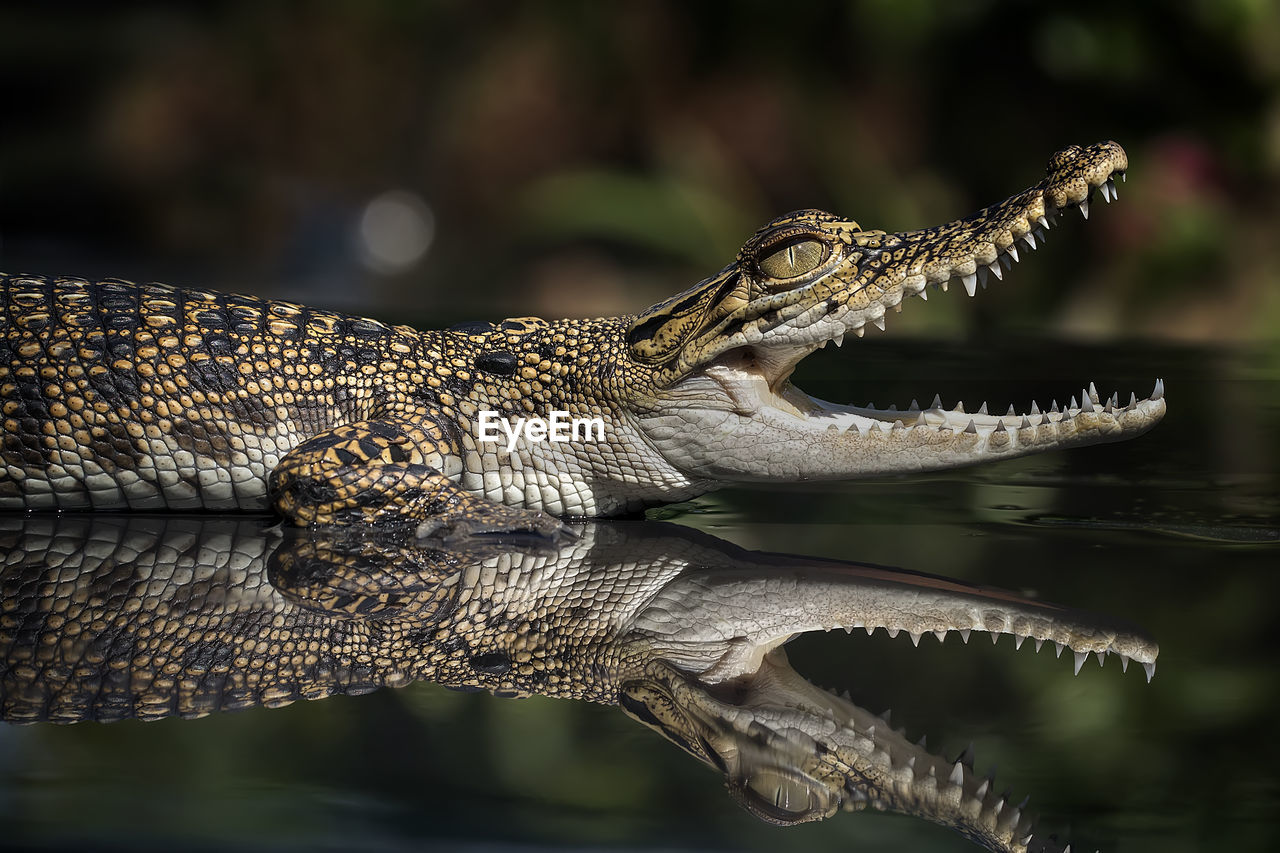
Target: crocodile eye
{"x":792,"y":258}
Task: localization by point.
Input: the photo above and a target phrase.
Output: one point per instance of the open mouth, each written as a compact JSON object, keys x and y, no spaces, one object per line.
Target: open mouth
{"x":757,"y":376}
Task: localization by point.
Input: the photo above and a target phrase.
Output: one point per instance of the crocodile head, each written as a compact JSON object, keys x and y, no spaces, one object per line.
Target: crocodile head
{"x":722,"y":406}
{"x":715,"y":681}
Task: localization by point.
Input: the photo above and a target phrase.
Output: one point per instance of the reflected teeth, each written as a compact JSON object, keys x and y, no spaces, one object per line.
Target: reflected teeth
{"x":1079,"y":657}
{"x":1084,"y":208}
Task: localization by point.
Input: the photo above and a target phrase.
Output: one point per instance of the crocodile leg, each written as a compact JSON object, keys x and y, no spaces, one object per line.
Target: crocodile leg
{"x":384,"y":470}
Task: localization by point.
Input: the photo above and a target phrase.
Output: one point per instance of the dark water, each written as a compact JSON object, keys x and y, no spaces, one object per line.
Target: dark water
{"x":1178,"y":532}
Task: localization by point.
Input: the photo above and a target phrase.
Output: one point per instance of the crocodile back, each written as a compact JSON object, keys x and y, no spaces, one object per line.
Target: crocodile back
{"x":118,"y":395}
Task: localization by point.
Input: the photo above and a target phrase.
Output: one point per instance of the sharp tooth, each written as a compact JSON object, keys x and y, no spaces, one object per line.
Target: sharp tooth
{"x":1151,"y":670}
{"x":1000,"y":427}
{"x":994,"y":266}
{"x":983,"y":274}
{"x":1026,"y":424}
{"x":944,"y":285}
{"x":957,"y":774}
{"x":972,"y":428}
{"x":1115,"y":193}
{"x":1106,"y":192}
{"x":1039,"y":643}
{"x":1029,"y":239}
{"x":1093,"y":392}
{"x":1080,"y":659}
{"x":1101,"y":656}
{"x":1059,"y":647}
{"x":860,"y":331}
{"x":964,"y":634}
{"x":941,"y":635}
{"x":1013,"y":251}
{"x":915,"y":405}
{"x":1044,"y":223}
{"x":1053,"y":410}
{"x":1133,"y":400}
{"x":915,"y":638}
{"x":1011,"y":412}
{"x":982,"y":410}
{"x":1086,"y":405}
{"x":924,"y":294}
{"x":981,"y":792}
{"x":1035,"y":409}
{"x":970,"y":284}
{"x":1158,"y":393}
{"x":838,"y":340}
{"x":1073,"y":403}
{"x":1017,"y":641}
{"x":920,"y":421}
{"x":937,"y":401}
{"x":1084,"y":208}
{"x":879,"y":321}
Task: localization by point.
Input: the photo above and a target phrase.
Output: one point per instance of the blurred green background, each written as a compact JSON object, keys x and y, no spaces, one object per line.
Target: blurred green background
{"x":440,"y":159}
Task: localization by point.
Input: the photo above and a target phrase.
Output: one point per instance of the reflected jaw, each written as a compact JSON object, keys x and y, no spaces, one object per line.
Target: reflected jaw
{"x":716,"y":681}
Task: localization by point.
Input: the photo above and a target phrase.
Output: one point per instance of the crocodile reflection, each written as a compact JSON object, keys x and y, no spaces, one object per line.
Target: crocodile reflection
{"x":145,"y":617}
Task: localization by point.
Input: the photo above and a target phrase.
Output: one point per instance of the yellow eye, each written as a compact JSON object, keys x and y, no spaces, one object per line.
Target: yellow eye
{"x":793,"y":258}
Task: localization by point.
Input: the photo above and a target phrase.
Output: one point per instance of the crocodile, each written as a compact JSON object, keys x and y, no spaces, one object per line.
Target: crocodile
{"x":109,"y":617}
{"x":115,"y":395}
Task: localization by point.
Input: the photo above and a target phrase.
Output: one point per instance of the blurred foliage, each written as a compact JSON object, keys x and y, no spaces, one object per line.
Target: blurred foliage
{"x":584,"y":158}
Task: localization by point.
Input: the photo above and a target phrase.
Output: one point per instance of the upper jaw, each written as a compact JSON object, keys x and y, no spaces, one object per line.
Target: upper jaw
{"x":870,"y":273}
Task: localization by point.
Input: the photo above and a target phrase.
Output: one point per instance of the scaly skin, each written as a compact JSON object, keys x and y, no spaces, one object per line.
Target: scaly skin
{"x":112,"y":617}
{"x":116,"y":395}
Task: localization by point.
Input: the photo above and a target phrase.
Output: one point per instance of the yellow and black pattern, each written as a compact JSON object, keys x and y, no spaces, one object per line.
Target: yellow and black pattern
{"x":116,"y":395}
